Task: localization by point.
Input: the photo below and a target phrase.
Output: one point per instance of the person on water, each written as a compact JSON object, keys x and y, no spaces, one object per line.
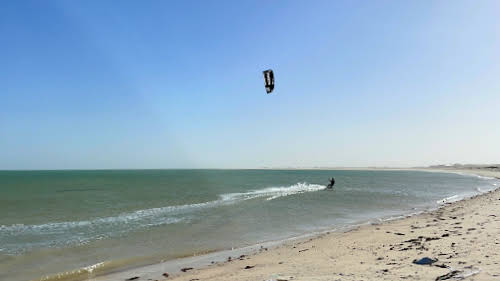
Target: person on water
{"x":331,"y":184}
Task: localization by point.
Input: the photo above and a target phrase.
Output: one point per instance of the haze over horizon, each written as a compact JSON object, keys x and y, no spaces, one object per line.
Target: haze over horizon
{"x":176,"y":84}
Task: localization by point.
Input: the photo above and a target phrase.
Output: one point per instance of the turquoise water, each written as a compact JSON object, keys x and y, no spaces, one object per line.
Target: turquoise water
{"x":58,"y":221}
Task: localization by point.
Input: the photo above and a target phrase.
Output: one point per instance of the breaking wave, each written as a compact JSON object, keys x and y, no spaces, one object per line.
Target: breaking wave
{"x":477,"y":190}
{"x":55,"y":234}
{"x":450,"y":199}
{"x":271,"y":193}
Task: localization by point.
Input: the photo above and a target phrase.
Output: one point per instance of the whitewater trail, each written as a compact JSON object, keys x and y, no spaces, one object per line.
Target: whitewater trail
{"x":81,"y":232}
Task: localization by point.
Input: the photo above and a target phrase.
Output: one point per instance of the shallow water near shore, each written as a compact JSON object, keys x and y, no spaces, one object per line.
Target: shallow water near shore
{"x":89,"y":223}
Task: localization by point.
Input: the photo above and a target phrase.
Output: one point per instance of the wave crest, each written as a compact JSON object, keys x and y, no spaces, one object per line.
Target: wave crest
{"x":81,"y":232}
{"x":274,"y":192}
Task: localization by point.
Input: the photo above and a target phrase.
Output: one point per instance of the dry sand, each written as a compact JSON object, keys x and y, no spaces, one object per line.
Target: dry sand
{"x":463,"y":237}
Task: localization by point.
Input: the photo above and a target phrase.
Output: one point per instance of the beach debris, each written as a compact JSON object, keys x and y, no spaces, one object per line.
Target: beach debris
{"x":448,"y":275}
{"x":165,"y":274}
{"x":132,"y":278}
{"x":303,"y":250}
{"x":276,"y":277}
{"x":445,"y":235}
{"x":399,"y":233}
{"x":186,"y":269}
{"x":416,"y":243}
{"x":249,"y":266}
{"x":431,"y":238}
{"x":425,"y":261}
{"x":469,"y":273}
{"x":414,"y":240}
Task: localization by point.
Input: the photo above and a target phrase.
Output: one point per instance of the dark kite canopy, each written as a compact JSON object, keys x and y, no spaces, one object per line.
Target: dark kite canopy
{"x":269,"y":79}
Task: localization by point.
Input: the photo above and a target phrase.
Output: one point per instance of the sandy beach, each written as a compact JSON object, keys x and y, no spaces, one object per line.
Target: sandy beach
{"x":248,"y":140}
{"x":461,"y":238}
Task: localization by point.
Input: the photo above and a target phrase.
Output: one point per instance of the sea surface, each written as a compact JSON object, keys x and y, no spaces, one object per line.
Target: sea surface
{"x":89,"y":223}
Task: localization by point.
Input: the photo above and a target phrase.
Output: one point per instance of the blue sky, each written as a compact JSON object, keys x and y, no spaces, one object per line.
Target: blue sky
{"x":178,"y":84}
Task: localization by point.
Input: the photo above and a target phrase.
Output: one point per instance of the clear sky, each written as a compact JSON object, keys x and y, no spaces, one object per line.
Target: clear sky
{"x":178,"y":84}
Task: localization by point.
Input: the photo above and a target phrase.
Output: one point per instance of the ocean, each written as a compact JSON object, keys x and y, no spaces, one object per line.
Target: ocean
{"x":89,"y":223}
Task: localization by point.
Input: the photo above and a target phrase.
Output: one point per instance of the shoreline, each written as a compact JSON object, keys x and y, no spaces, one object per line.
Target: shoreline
{"x":205,"y":266}
{"x":220,"y":257}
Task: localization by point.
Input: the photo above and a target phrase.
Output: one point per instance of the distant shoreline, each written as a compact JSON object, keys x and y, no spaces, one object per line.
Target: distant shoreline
{"x":490,"y":169}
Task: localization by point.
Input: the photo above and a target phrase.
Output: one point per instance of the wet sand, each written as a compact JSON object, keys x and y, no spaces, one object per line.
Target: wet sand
{"x":462,"y":238}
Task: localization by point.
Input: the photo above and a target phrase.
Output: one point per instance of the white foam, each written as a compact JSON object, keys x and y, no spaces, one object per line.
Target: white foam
{"x":82,"y":232}
{"x":473,"y":175}
{"x":56,"y":227}
{"x":450,"y":199}
{"x":274,"y":192}
{"x":458,"y":197}
{"x":164,"y":215}
{"x":91,"y":268}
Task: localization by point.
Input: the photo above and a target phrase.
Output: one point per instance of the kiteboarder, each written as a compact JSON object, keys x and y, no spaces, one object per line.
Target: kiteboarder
{"x":330,"y":185}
